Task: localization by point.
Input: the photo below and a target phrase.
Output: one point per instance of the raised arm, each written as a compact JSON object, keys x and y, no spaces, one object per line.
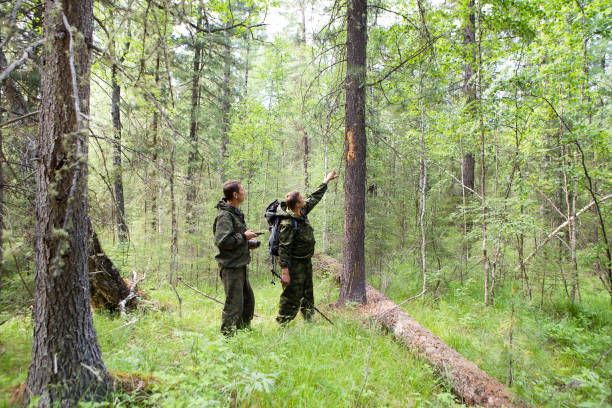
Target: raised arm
{"x":317,"y":195}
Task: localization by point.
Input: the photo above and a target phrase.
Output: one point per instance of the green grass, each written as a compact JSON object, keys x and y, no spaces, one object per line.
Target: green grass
{"x":302,"y":365}
{"x":316,"y":365}
{"x":552,"y":347}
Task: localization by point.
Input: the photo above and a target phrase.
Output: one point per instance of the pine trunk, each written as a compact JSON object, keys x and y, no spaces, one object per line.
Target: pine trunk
{"x":353,"y":277}
{"x":66,"y":365}
{"x":118,"y":178}
{"x":192,"y":161}
{"x":225,"y":108}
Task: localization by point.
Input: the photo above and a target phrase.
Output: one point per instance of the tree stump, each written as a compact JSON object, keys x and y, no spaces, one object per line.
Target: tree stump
{"x":108,"y":288}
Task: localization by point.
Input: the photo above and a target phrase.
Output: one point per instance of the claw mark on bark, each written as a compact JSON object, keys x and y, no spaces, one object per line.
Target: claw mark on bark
{"x":350,"y":141}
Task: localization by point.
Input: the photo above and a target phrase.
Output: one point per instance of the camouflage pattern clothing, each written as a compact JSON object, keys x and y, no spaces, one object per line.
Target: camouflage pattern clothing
{"x":298,"y":295}
{"x":229,"y":228}
{"x":233,"y":256}
{"x":239,"y":300}
{"x":296,"y":247}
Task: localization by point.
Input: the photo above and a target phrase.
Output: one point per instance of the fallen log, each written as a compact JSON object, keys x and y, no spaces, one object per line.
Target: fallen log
{"x":468,"y":382}
{"x":108,"y":289}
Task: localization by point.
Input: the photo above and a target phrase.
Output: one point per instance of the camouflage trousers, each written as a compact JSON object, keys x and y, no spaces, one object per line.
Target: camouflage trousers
{"x":298,"y":295}
{"x":239,"y":300}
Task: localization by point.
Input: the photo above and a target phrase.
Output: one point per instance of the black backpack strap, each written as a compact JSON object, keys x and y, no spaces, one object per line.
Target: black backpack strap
{"x":295,"y":224}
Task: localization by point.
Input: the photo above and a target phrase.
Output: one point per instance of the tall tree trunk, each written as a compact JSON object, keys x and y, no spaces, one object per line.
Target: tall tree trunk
{"x":467,"y":172}
{"x":353,"y":274}
{"x":174,"y":222}
{"x":306,"y":151}
{"x":117,"y":170}
{"x":246,"y":68}
{"x":66,"y":364}
{"x":154,"y":157}
{"x":324,"y":244}
{"x":468,"y":164}
{"x":225,"y":106}
{"x":192,"y":161}
{"x":423,"y":187}
{"x":303,"y":25}
{"x":469,"y":88}
{"x":573,"y":242}
{"x":485,"y":257}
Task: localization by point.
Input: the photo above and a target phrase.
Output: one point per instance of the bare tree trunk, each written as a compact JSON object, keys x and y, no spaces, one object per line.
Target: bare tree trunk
{"x":246,"y":68}
{"x":521,"y":246}
{"x":306,"y":151}
{"x":117,"y":170}
{"x":353,"y":275}
{"x":572,"y":229}
{"x":174,"y":242}
{"x":469,"y":89}
{"x":324,"y":239}
{"x":468,"y":164}
{"x":66,"y":364}
{"x":303,"y":25}
{"x":192,"y":161}
{"x":225,"y":106}
{"x":154,"y":156}
{"x":485,"y":257}
{"x":423,"y":186}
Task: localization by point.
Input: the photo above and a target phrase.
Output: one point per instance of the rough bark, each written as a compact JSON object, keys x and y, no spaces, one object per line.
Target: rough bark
{"x":192,"y":161}
{"x":467,"y":167}
{"x":485,"y":256}
{"x":66,"y":364}
{"x":174,"y":222}
{"x":469,"y":89}
{"x":353,"y":282}
{"x":246,"y":68}
{"x":117,"y":169}
{"x":154,"y":157}
{"x":225,"y":107}
{"x":306,"y":152}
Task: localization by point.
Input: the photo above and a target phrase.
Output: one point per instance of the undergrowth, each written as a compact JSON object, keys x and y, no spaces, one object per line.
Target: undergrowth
{"x":302,"y":365}
{"x":556,"y":348}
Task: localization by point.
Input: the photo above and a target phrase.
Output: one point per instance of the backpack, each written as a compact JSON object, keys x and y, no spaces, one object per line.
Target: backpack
{"x":274,"y":226}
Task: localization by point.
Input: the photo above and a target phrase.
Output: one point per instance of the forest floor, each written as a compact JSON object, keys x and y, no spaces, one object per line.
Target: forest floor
{"x":317,"y":365}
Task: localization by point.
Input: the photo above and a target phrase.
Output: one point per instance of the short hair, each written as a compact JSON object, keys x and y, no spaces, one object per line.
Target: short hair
{"x":230,"y":187}
{"x":292,"y":199}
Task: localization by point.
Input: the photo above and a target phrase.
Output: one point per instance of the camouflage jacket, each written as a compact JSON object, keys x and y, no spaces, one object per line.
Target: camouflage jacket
{"x":229,"y":228}
{"x":296,"y":235}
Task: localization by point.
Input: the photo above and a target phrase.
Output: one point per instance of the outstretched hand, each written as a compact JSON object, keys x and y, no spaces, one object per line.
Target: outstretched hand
{"x":330,"y":176}
{"x":250,"y":234}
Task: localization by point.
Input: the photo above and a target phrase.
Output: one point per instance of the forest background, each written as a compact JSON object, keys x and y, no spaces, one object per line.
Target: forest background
{"x":488,"y":128}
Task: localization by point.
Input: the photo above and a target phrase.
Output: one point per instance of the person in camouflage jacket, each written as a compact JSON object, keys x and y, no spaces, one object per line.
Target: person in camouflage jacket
{"x":232,"y":240}
{"x":296,"y":247}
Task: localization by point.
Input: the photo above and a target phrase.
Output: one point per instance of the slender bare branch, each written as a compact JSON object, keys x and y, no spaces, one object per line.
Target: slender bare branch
{"x":20,"y":60}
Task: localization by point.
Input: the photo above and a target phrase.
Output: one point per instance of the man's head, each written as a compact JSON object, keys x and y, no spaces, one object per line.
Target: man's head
{"x":295,"y":200}
{"x":233,"y":192}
